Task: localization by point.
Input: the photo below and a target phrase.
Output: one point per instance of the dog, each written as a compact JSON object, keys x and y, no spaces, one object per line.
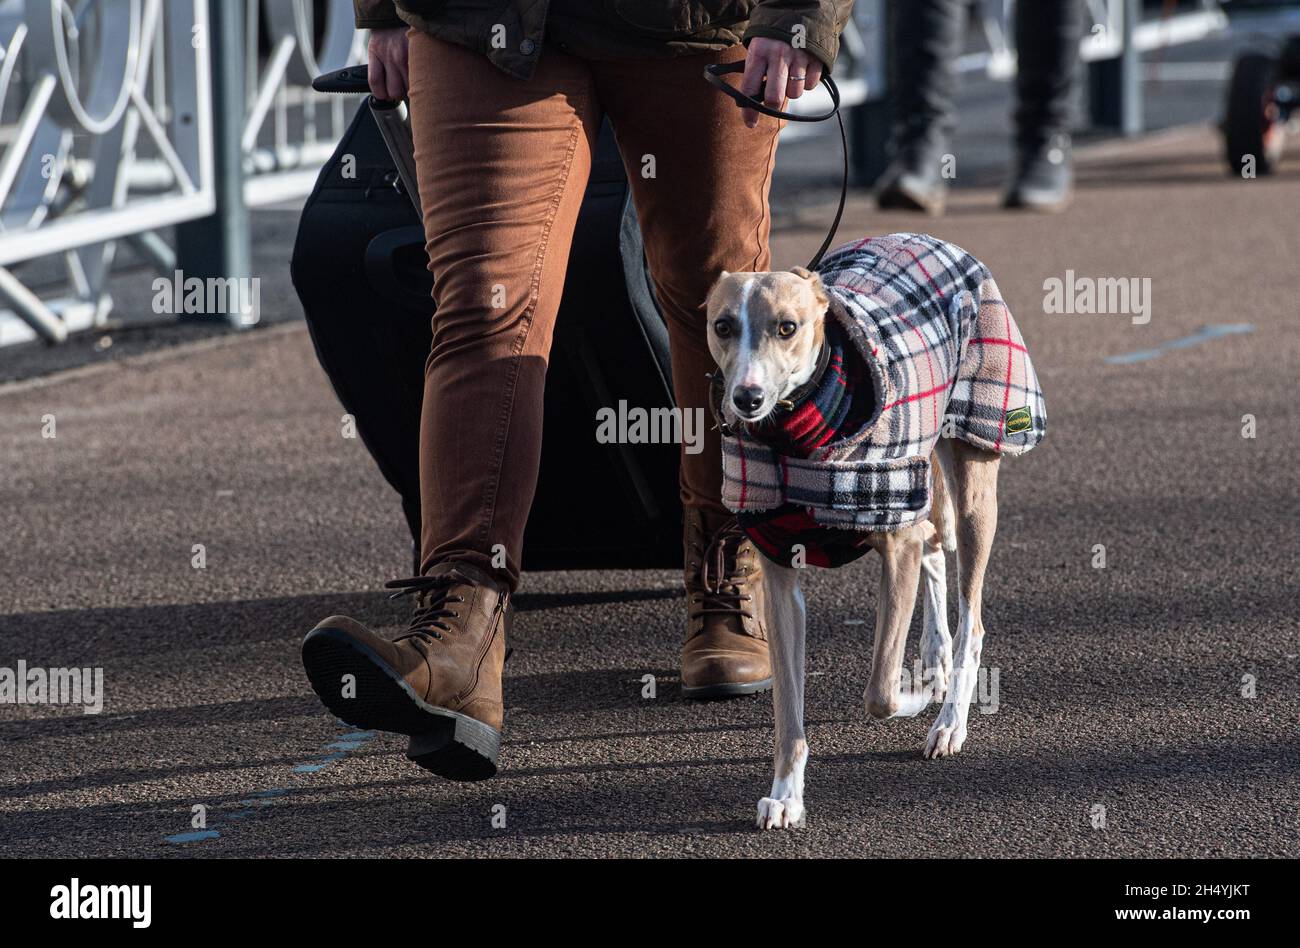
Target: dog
{"x":867,"y":406}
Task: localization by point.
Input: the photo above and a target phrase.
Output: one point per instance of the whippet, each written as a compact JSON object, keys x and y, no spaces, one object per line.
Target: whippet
{"x":768,"y":333}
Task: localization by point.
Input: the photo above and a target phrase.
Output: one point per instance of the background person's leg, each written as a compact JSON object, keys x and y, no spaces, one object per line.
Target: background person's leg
{"x":926,"y":40}
{"x":1048,"y":33}
{"x":502,"y":167}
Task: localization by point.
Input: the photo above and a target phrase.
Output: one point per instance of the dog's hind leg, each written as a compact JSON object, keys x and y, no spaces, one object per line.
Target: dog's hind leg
{"x":940,"y":538}
{"x":783,"y":807}
{"x":936,"y":641}
{"x":900,"y":567}
{"x":973,"y":476}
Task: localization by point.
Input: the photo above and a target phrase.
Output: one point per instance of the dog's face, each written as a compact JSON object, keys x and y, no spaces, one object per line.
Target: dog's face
{"x":765,"y":333}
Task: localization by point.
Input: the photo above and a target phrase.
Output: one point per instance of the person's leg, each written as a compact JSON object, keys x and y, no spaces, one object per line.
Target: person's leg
{"x":502,"y":167}
{"x":926,"y":40}
{"x":1048,"y":34}
{"x":700,"y":182}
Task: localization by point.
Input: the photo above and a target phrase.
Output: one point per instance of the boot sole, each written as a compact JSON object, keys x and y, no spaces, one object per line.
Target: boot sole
{"x":445,"y":742}
{"x":726,"y":690}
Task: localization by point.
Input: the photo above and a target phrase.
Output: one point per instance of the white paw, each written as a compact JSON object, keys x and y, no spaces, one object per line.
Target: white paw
{"x":945,"y":738}
{"x":779,"y":814}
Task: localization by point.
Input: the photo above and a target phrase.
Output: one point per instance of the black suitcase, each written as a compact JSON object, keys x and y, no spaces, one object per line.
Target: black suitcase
{"x":359,"y":269}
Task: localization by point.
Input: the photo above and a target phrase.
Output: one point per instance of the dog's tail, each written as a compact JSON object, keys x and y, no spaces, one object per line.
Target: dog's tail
{"x":942,"y":514}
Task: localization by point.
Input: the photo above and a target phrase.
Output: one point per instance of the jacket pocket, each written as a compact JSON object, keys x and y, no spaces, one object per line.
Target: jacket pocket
{"x":669,"y":18}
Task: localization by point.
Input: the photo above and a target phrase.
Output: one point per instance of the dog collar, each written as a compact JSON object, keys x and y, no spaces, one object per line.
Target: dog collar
{"x":806,"y":390}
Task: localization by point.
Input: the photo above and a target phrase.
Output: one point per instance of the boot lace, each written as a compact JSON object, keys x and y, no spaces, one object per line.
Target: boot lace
{"x":431,"y":599}
{"x":720,"y":591}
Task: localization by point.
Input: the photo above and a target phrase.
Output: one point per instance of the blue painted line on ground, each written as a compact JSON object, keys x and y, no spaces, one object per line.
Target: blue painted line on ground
{"x":195,"y":837}
{"x":341,"y":746}
{"x":320,"y":764}
{"x":349,"y":743}
{"x":1213,"y":331}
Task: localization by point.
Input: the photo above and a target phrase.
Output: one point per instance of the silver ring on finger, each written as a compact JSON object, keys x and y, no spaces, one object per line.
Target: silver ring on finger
{"x":798,"y":78}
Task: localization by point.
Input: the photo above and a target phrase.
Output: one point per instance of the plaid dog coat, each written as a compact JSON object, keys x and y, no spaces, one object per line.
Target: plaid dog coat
{"x":930,"y":349}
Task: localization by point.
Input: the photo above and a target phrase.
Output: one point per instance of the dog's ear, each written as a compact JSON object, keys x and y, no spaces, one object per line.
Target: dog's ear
{"x":713,"y":290}
{"x":818,"y":288}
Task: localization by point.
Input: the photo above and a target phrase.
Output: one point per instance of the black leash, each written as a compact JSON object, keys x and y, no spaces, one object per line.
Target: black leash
{"x":714,"y":75}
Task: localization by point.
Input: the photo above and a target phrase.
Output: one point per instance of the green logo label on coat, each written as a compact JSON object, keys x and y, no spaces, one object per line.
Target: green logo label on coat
{"x":1018,"y":420}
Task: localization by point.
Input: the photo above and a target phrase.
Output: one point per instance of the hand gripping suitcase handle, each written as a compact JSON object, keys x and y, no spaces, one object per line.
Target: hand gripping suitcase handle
{"x":390,"y":117}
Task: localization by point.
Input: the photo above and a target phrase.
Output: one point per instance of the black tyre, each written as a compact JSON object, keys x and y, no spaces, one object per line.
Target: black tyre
{"x":1252,"y":128}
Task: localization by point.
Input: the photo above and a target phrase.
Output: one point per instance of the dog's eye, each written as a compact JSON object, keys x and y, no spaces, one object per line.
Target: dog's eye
{"x":786,"y":329}
{"x":722,"y":327}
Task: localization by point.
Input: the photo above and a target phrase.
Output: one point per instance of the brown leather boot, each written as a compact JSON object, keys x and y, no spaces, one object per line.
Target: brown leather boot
{"x":726,"y":625}
{"x":439,"y":682}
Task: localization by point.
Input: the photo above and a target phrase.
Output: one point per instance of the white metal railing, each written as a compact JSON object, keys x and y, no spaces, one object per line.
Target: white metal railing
{"x":106,"y":111}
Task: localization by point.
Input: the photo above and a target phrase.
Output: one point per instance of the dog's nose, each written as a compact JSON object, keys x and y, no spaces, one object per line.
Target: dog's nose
{"x":748,"y":398}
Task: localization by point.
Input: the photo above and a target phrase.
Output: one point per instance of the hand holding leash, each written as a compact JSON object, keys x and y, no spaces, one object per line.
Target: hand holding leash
{"x":789,"y":72}
{"x":714,"y":74}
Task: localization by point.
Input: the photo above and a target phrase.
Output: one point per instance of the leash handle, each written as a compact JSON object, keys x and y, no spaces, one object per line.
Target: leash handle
{"x":714,"y":73}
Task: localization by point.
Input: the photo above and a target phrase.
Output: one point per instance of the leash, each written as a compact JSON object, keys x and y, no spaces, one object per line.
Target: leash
{"x":714,"y":74}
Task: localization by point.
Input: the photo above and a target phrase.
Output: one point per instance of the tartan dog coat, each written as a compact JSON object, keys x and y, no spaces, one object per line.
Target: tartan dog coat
{"x":919,"y":345}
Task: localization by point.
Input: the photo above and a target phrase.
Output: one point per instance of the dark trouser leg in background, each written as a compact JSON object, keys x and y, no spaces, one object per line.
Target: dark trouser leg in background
{"x":1048,"y":33}
{"x":926,"y":42}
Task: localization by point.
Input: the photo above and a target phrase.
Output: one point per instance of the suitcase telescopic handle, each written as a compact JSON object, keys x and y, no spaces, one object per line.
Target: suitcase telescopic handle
{"x":391,"y":117}
{"x":350,"y":80}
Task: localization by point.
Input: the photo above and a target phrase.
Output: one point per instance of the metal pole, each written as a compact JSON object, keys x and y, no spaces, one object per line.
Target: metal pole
{"x":219,"y":246}
{"x":1115,"y":85}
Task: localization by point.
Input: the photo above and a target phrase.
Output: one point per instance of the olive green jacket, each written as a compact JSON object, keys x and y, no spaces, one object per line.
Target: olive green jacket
{"x":510,"y":32}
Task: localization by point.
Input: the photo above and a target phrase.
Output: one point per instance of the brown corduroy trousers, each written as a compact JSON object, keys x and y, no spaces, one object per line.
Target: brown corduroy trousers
{"x":502,"y":166}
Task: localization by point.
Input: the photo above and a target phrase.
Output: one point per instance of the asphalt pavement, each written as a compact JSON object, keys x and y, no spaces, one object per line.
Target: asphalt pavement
{"x":1146,"y":707}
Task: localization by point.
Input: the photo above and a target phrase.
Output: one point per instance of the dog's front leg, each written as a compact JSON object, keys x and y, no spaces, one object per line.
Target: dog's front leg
{"x":783,"y":807}
{"x":900,"y":569}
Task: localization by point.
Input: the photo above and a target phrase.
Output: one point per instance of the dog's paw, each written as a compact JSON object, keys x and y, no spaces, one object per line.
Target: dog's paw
{"x":779,"y":814}
{"x":944,"y":739}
